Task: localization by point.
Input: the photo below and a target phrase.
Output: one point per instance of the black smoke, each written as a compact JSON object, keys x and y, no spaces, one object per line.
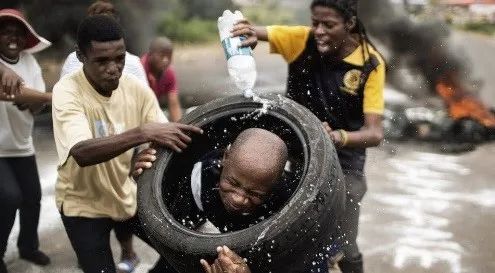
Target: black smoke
{"x":422,"y":46}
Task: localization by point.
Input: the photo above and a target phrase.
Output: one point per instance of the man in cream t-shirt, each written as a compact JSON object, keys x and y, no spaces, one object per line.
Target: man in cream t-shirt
{"x":128,"y":257}
{"x":99,"y":116}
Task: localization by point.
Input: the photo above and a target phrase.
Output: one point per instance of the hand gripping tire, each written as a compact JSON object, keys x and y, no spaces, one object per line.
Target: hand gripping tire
{"x":292,"y":238}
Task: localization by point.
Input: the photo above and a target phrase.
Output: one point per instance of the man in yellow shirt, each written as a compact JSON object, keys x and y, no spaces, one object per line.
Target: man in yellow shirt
{"x":337,"y":73}
{"x":99,"y":116}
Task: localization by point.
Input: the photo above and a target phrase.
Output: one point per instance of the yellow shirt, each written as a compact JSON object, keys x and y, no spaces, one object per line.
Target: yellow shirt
{"x":290,"y":42}
{"x":80,"y":113}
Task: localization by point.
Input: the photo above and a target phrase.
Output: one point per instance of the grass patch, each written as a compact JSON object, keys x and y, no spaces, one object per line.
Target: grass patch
{"x":479,"y":27}
{"x":188,"y":31}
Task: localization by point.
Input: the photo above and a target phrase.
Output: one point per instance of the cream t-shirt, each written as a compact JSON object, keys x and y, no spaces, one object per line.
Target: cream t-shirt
{"x":81,"y":113}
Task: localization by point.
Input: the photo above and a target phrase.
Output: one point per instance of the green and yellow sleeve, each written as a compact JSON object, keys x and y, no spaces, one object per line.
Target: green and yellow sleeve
{"x":288,"y":41}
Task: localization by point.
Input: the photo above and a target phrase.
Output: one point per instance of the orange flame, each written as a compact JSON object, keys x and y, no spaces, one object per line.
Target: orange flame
{"x":463,"y":105}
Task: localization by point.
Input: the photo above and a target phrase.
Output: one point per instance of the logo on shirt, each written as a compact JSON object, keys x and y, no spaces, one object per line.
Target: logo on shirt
{"x":352,"y":79}
{"x":104,"y":129}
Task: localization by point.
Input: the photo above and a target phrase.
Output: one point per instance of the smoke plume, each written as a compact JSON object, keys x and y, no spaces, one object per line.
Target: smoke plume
{"x":423,"y":47}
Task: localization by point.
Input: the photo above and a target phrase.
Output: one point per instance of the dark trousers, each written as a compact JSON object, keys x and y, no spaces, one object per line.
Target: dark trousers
{"x":19,"y":189}
{"x":355,"y":183}
{"x":90,"y":239}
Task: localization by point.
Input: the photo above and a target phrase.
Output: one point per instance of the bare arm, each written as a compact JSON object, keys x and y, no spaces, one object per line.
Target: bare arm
{"x":261,"y":33}
{"x":174,"y":106}
{"x":370,"y":135}
{"x":98,"y":150}
{"x":28,"y":98}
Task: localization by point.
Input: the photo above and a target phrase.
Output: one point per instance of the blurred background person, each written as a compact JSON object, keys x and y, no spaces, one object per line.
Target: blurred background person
{"x":161,"y":76}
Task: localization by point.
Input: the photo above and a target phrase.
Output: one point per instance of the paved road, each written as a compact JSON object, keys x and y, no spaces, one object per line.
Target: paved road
{"x":430,"y":212}
{"x":424,"y":211}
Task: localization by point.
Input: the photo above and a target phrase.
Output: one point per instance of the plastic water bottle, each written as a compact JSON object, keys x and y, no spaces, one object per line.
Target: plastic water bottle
{"x":240,"y":61}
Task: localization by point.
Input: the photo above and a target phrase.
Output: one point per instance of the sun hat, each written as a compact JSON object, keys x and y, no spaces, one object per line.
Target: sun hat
{"x":34,"y":42}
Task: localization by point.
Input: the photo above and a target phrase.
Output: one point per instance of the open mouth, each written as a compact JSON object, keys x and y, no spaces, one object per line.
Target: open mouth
{"x":13,"y":46}
{"x":233,"y":208}
{"x":320,"y":42}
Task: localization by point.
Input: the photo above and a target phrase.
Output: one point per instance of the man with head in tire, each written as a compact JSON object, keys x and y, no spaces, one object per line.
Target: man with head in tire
{"x":233,"y":188}
{"x":337,"y":73}
{"x":99,"y":116}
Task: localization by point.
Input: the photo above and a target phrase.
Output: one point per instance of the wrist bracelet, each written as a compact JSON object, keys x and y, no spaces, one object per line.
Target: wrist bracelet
{"x":344,"y":137}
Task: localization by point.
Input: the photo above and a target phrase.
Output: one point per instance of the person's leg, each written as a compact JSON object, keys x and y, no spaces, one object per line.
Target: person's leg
{"x":90,"y":239}
{"x":161,"y":266}
{"x":26,"y":173}
{"x":356,"y":188}
{"x":10,"y":201}
{"x":124,"y":236}
{"x":128,"y":259}
{"x":3,"y":267}
{"x":354,"y":265}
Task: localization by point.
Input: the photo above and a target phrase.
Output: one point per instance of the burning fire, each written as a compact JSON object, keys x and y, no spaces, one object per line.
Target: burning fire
{"x":463,"y":105}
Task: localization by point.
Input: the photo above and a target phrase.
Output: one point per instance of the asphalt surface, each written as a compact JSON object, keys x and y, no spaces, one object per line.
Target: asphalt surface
{"x":425,"y":211}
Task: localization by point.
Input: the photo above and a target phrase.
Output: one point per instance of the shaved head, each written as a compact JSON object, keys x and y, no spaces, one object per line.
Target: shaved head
{"x":160,"y":55}
{"x":260,"y":150}
{"x":161,"y":44}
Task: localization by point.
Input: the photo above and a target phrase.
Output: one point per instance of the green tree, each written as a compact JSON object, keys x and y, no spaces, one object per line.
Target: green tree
{"x":267,"y":12}
{"x":206,"y":9}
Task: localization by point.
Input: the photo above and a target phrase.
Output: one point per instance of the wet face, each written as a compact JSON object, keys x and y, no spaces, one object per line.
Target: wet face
{"x":13,"y":35}
{"x":243,"y":189}
{"x":103,"y":63}
{"x":330,"y":29}
{"x":159,"y":60}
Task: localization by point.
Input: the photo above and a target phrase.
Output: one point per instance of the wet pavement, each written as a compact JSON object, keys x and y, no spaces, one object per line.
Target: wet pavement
{"x":425,"y":211}
{"x":429,"y":212}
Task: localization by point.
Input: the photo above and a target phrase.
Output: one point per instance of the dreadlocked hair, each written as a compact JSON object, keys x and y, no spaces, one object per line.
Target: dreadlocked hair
{"x":365,"y":40}
{"x":346,"y":7}
{"x":348,"y":10}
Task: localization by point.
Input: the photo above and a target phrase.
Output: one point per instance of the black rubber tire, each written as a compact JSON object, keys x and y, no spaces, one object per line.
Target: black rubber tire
{"x":289,"y":240}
